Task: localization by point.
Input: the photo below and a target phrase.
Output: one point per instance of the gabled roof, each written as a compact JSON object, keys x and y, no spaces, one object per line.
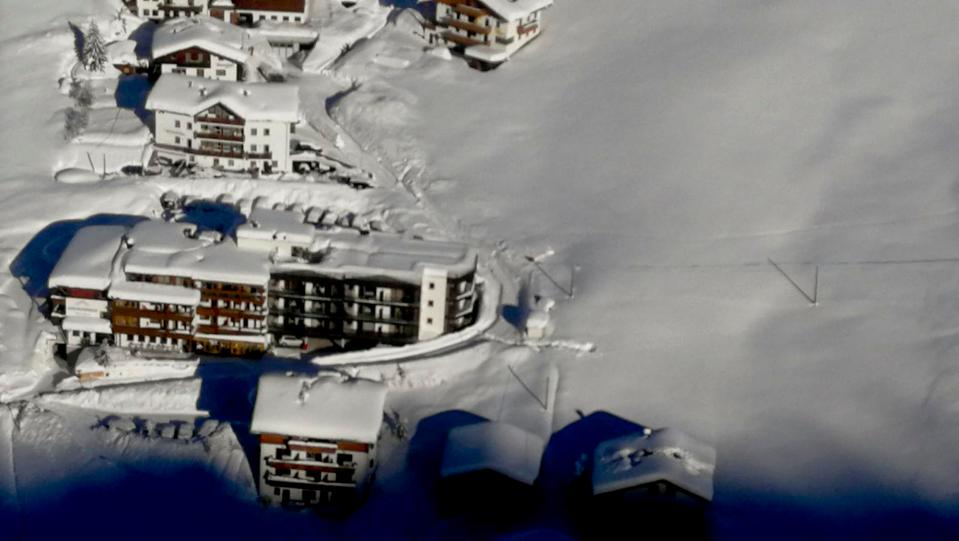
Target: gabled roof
{"x":331,"y":408}
{"x":494,"y":446}
{"x":205,"y":32}
{"x":512,"y":10}
{"x":251,"y":101}
{"x":665,"y":455}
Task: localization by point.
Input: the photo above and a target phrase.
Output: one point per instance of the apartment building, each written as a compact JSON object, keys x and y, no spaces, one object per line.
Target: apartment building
{"x":318,"y":438}
{"x":168,"y":286}
{"x":224,"y":125}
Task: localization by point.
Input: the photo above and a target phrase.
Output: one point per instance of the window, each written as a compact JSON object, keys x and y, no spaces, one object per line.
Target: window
{"x":266,"y":148}
{"x":266,"y":131}
{"x":231,"y":162}
{"x":200,"y":72}
{"x":176,"y":123}
{"x":429,"y":321}
{"x":429,"y":303}
{"x":177,"y":140}
{"x":253,"y":148}
{"x":189,"y":125}
{"x":275,"y":164}
{"x":286,"y":18}
{"x":221,"y":73}
{"x":432,"y":285}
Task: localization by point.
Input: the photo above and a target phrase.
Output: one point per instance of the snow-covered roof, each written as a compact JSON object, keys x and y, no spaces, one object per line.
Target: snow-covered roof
{"x":271,"y":5}
{"x":251,"y":101}
{"x":516,"y":9}
{"x":211,"y":35}
{"x":122,"y":53}
{"x":87,"y":324}
{"x":667,"y":454}
{"x":157,"y":236}
{"x":222,"y":262}
{"x":324,"y":408}
{"x":88,"y":260}
{"x":287,"y":32}
{"x":268,"y":224}
{"x":495,"y":446}
{"x":157,"y":293}
{"x":348,"y":252}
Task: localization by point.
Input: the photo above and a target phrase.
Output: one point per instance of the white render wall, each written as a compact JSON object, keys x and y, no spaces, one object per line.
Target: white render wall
{"x":278,"y":16}
{"x":151,"y":8}
{"x":432,"y":303}
{"x":258,"y":136}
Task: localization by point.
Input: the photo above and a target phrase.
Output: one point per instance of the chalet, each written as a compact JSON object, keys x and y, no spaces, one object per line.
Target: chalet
{"x":664,"y":465}
{"x":210,"y":48}
{"x":166,"y":286}
{"x":491,"y":465}
{"x":244,"y":12}
{"x":224,"y":125}
{"x":79,"y":283}
{"x":318,"y":438}
{"x":488,"y":32}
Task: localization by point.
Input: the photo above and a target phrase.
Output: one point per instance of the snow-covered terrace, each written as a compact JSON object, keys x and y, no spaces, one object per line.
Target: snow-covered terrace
{"x":666,"y":454}
{"x":512,"y":10}
{"x":252,"y":101}
{"x":87,"y":263}
{"x":324,"y":408}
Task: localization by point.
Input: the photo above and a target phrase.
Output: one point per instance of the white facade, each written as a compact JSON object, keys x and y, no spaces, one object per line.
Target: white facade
{"x":235,"y":133}
{"x":159,"y":10}
{"x":284,"y":10}
{"x":490,"y":31}
{"x":433,"y":303}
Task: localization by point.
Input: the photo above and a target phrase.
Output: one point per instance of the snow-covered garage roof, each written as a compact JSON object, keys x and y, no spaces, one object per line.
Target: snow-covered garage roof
{"x":252,"y":101}
{"x":87,"y":324}
{"x":205,"y":32}
{"x":329,"y":408}
{"x":512,"y":10}
{"x":88,"y":260}
{"x":667,"y":454}
{"x":494,"y":446}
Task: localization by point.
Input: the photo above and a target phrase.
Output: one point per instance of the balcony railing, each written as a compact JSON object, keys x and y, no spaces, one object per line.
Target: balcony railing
{"x":466,"y":26}
{"x":219,"y":136}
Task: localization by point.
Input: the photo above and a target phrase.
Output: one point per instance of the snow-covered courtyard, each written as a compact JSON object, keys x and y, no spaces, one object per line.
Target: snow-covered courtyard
{"x":745,"y":213}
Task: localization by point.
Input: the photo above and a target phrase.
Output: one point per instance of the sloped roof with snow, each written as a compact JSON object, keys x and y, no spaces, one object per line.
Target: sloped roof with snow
{"x":667,"y":454}
{"x":329,"y":408}
{"x":212,"y":35}
{"x":494,"y":446}
{"x":512,"y":10}
{"x":252,"y":101}
{"x":87,"y":262}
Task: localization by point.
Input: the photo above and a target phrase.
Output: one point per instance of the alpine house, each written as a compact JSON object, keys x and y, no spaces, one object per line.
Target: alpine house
{"x":224,"y":125}
{"x":489,"y":32}
{"x":318,"y":438}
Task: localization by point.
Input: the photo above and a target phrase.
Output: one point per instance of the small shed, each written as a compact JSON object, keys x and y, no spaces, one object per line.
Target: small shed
{"x":655,"y":464}
{"x":490,"y":465}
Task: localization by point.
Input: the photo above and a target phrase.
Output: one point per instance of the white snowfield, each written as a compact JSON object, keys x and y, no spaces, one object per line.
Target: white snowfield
{"x":329,"y":408}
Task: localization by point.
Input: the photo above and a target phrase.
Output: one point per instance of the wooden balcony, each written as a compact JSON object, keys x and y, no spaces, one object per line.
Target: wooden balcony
{"x":229,"y":331}
{"x":152,"y":314}
{"x":208,"y":294}
{"x":219,"y":136}
{"x":465,"y":26}
{"x":527,"y":29}
{"x":230,"y":313}
{"x":219,"y":120}
{"x":449,"y":35}
{"x":470,"y":11}
{"x":160,"y":333}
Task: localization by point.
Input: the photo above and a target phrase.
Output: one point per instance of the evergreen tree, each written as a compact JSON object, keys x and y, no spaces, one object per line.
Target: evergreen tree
{"x":94,"y":51}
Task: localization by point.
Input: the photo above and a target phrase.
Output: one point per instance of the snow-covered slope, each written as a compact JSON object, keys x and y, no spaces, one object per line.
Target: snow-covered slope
{"x":668,"y":150}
